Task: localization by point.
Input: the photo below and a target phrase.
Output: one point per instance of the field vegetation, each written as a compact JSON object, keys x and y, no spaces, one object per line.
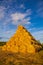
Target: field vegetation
{"x":9,"y":58}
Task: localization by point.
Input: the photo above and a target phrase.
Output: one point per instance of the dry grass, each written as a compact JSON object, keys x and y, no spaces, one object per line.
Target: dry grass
{"x":9,"y":58}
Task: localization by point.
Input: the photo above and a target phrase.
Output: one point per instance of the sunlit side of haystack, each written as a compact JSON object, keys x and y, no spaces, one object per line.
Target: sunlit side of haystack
{"x":22,"y":42}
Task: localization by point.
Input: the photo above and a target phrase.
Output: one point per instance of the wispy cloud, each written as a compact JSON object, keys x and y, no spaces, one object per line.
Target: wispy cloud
{"x":3,"y":38}
{"x":29,"y":11}
{"x":21,"y":18}
{"x":2,"y":11}
{"x":40,"y":9}
{"x":6,"y":35}
{"x":22,"y":6}
{"x":38,"y":35}
{"x":10,"y":31}
{"x":6,"y":21}
{"x":17,"y":16}
{"x":7,"y":32}
{"x":0,"y":37}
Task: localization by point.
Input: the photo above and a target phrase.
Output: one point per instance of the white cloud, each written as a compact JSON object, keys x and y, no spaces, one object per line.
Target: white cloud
{"x":29,"y":11}
{"x":38,"y":35}
{"x":20,"y":18}
{"x":40,"y":9}
{"x":32,"y":29}
{"x":40,"y":12}
{"x":6,"y":21}
{"x":2,"y":11}
{"x":7,"y":32}
{"x":22,"y":6}
{"x":17,"y":16}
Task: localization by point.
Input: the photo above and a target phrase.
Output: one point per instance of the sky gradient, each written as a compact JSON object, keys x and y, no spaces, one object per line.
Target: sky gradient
{"x":28,"y":13}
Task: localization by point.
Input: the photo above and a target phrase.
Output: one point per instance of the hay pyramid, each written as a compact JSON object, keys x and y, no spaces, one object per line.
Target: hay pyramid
{"x":22,"y":42}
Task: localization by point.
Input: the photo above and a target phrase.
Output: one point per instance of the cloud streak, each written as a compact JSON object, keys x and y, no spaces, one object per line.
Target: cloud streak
{"x":22,"y":6}
{"x":2,"y":12}
{"x":40,"y":9}
{"x":3,"y":38}
{"x":38,"y":35}
{"x":21,"y":18}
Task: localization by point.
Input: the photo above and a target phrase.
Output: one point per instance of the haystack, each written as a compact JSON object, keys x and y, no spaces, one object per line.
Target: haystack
{"x":22,"y":42}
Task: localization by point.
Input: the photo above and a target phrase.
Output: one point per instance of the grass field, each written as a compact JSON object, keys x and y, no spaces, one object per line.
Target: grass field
{"x":2,"y":43}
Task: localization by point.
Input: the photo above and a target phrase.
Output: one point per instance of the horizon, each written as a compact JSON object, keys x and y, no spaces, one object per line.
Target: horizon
{"x":28,"y":13}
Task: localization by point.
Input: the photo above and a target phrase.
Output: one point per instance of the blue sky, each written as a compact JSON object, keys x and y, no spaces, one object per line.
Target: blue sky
{"x":28,"y":13}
